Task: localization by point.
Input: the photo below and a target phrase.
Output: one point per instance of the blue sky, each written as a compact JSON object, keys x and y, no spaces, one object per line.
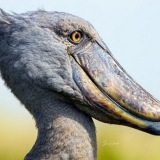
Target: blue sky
{"x":131,"y":29}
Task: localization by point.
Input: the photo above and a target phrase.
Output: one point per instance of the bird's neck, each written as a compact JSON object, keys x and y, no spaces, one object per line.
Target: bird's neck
{"x":64,"y":132}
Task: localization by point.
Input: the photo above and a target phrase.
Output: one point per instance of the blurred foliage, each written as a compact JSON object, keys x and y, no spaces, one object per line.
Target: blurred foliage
{"x":18,"y":134}
{"x":124,"y":143}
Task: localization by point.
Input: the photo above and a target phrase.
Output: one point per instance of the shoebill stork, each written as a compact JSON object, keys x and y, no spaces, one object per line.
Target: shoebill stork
{"x":57,"y":65}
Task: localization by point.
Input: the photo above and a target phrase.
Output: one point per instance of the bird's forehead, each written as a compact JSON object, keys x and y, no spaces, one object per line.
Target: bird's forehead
{"x":70,"y":22}
{"x":62,"y":22}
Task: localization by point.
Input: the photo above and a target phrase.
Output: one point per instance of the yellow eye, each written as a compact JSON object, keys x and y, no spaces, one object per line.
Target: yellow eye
{"x":76,"y":36}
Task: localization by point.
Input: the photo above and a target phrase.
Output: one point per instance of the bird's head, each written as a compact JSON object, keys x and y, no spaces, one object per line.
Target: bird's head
{"x":64,"y":54}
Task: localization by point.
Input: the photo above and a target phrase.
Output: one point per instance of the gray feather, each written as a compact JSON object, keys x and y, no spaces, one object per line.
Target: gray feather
{"x":35,"y":65}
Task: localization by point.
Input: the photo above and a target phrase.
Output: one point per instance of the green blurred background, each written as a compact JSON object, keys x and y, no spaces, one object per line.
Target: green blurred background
{"x":131,"y":31}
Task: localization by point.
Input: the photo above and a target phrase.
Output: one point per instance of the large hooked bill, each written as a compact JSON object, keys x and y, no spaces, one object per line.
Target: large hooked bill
{"x":107,"y":87}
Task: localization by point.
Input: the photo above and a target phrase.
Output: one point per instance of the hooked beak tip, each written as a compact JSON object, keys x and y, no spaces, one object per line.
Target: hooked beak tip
{"x":107,"y":87}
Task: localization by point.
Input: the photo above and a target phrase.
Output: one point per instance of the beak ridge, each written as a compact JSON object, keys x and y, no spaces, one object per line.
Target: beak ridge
{"x":107,"y":86}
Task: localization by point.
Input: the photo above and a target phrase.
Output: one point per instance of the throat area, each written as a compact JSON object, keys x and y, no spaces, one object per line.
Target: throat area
{"x":64,"y":133}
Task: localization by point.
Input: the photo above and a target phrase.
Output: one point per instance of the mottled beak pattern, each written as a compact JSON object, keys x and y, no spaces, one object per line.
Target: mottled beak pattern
{"x":107,"y":86}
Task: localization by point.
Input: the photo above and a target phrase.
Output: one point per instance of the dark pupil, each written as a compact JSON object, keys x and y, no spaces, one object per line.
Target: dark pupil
{"x":77,"y":36}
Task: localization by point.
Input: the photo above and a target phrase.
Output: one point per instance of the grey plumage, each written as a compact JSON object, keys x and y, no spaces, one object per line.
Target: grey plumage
{"x":33,"y":59}
{"x":64,"y":83}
